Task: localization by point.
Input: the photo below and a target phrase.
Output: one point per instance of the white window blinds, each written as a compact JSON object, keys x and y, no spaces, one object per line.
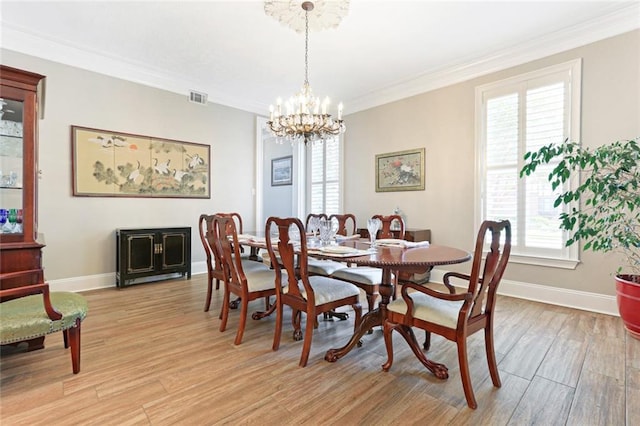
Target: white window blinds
{"x":516,"y":116}
{"x":324,"y":177}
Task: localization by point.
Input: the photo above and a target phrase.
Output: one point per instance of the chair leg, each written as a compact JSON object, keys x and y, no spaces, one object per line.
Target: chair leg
{"x":244,"y":307}
{"x":278,"y":331}
{"x":464,"y":374}
{"x":65,"y":338}
{"x":74,"y":342}
{"x":427,"y":340}
{"x":217,"y":284}
{"x":207,"y":302}
{"x":224,"y":310}
{"x":308,"y":336}
{"x":387,"y":329}
{"x":296,"y":320}
{"x":491,"y":355}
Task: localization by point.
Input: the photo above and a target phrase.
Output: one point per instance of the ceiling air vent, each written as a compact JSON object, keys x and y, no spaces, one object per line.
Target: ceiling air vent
{"x":197,"y":97}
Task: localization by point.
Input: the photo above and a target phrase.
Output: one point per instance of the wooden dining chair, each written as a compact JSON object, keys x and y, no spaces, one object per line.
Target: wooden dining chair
{"x":312,"y":215}
{"x":346,"y":223}
{"x":322,"y":267}
{"x":366,"y":277}
{"x":257,"y":281}
{"x":311,"y":294}
{"x":455,"y":316}
{"x":214,"y":266}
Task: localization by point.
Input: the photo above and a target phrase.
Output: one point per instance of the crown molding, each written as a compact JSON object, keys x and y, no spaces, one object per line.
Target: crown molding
{"x":28,"y":42}
{"x":618,"y":22}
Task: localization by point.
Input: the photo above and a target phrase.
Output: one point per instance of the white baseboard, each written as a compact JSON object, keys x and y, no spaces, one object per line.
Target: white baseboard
{"x":555,"y":296}
{"x":94,"y":282}
{"x":583,"y":300}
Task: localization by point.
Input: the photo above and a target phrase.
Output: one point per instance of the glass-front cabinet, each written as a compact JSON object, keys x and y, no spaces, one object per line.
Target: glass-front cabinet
{"x":19,"y":250}
{"x":11,"y":167}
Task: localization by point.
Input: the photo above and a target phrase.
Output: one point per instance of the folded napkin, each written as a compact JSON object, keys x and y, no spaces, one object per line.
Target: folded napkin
{"x":391,"y":242}
{"x":347,"y":237}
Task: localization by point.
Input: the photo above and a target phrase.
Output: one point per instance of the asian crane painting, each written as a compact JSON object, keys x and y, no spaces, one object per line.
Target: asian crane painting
{"x":108,"y":163}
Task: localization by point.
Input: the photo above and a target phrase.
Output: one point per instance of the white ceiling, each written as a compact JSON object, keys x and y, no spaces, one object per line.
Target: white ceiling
{"x":231,"y":50}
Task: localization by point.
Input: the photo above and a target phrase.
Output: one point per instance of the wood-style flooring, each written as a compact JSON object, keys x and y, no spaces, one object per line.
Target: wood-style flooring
{"x":151,"y":356}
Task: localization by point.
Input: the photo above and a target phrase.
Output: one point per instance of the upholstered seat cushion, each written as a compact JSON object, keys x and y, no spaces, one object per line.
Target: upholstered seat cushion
{"x":324,"y":267}
{"x":262,"y":278}
{"x":25,"y":318}
{"x":360,"y":274}
{"x":431,"y":309}
{"x":329,"y":290}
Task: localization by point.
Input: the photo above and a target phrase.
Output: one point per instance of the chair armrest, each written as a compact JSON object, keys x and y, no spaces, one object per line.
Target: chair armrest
{"x":433,"y":293}
{"x":42,"y":288}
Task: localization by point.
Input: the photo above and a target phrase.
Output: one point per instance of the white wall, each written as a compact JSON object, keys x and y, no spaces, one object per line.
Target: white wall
{"x":80,"y":231}
{"x":442,"y":121}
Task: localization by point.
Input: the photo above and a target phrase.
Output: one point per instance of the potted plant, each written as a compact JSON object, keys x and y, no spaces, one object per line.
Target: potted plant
{"x":608,"y":219}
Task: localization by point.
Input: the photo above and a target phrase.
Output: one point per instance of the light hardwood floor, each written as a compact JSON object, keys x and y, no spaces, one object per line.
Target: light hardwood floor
{"x":150,"y":355}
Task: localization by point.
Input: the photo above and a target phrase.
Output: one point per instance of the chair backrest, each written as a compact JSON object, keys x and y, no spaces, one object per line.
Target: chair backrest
{"x":291,"y":256}
{"x":346,"y":223}
{"x":485,"y":276}
{"x":224,"y":236}
{"x":204,"y":225}
{"x":310,"y":215}
{"x":387,"y":231}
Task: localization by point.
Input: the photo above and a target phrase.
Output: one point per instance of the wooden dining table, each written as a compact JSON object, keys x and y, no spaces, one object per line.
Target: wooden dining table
{"x":392,"y":260}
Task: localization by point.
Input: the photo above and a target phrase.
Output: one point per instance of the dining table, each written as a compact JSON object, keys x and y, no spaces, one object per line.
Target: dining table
{"x":401,"y":257}
{"x":392,"y":257}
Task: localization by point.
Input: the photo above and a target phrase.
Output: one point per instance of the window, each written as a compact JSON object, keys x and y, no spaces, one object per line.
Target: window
{"x":515,"y":116}
{"x":324,"y":177}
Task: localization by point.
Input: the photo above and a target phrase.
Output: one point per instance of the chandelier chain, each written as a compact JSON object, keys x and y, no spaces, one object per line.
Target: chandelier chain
{"x":306,"y":47}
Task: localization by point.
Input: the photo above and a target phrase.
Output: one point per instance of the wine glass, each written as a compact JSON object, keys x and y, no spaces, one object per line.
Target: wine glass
{"x":13,"y":218}
{"x":373,"y":226}
{"x":3,"y":219}
{"x":19,"y":219}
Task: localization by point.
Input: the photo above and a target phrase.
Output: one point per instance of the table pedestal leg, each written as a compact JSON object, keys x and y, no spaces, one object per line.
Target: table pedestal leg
{"x":439,"y":370}
{"x":369,"y":320}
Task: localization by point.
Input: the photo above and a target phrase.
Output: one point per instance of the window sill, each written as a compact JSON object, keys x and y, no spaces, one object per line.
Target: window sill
{"x":544,"y":261}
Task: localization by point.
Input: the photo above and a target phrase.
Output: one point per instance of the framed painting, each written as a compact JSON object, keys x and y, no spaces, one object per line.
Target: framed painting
{"x":282,"y":171}
{"x":400,"y":171}
{"x":114,"y":164}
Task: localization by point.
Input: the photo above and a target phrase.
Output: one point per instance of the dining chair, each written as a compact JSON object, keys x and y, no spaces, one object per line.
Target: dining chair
{"x":455,"y":316}
{"x":366,"y":277}
{"x":214,"y":266}
{"x":247,"y":279}
{"x":346,"y":223}
{"x":324,"y":267}
{"x":313,"y":215}
{"x":311,"y":294}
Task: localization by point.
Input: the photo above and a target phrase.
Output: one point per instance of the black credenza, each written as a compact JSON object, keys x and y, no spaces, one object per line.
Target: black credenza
{"x":152,"y":252}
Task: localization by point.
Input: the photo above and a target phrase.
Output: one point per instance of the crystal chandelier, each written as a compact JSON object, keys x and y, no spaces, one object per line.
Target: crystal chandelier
{"x":304,"y":117}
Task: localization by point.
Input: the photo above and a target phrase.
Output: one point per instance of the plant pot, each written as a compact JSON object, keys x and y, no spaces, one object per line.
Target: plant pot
{"x":628,"y":297}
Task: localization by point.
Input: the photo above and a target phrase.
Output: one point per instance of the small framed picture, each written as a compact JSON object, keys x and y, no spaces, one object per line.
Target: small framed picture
{"x":400,"y":171}
{"x":282,"y":171}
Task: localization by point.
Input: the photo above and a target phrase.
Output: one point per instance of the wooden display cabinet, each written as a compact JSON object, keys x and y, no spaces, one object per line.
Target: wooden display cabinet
{"x":152,"y":252}
{"x":19,"y":250}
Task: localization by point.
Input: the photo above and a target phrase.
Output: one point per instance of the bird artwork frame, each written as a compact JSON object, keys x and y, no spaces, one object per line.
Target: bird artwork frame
{"x":115,"y":164}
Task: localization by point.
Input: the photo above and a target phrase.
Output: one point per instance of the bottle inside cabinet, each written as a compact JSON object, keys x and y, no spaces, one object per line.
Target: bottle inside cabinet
{"x":11,"y":165}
